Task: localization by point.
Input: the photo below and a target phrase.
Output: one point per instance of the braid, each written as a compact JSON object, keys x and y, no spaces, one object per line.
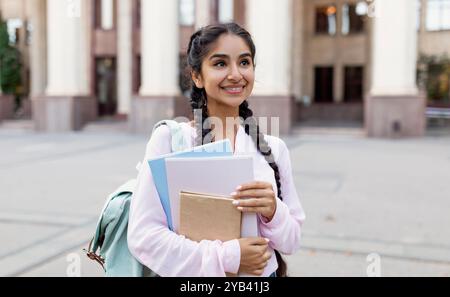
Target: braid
{"x":263,"y":147}
{"x":261,"y":144}
{"x":193,"y":42}
{"x":198,"y":102}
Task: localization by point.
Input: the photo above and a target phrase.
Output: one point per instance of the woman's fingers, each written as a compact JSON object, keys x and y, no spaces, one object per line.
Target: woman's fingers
{"x":252,"y":202}
{"x":255,"y":185}
{"x":252,"y":209}
{"x":261,"y":266}
{"x":267,"y":256}
{"x":258,"y":272}
{"x":252,"y":193}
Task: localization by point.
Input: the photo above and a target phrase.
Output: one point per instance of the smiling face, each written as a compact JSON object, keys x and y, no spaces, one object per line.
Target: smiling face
{"x":227,"y":72}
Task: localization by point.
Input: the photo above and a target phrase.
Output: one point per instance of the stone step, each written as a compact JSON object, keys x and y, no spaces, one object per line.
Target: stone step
{"x":107,"y":125}
{"x":17,"y":125}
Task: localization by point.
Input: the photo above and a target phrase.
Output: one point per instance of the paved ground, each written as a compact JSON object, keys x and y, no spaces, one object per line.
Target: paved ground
{"x":361,"y":196}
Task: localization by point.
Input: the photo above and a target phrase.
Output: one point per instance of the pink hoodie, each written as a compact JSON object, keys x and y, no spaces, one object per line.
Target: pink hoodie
{"x":170,"y":254}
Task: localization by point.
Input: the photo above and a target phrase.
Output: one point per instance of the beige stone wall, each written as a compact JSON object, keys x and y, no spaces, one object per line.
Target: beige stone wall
{"x":298,"y":45}
{"x":324,"y":50}
{"x":339,"y":50}
{"x":310,"y":50}
{"x":434,"y":42}
{"x":12,"y":9}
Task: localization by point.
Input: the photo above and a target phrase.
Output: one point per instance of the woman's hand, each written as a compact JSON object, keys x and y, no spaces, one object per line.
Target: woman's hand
{"x":254,"y":255}
{"x":259,"y":198}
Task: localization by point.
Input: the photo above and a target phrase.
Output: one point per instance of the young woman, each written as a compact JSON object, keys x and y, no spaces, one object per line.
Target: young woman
{"x":222,"y":65}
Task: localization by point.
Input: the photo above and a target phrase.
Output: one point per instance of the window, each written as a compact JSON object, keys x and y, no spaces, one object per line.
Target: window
{"x":137,"y":80}
{"x":226,"y":11}
{"x":326,"y":20}
{"x":353,"y":88}
{"x":104,"y":14}
{"x":438,"y":15}
{"x":107,"y":15}
{"x":352,"y":19}
{"x":187,"y":12}
{"x":323,"y":84}
{"x":14,"y":26}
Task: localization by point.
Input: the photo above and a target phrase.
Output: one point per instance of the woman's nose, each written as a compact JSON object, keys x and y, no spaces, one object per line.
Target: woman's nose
{"x":234,"y":74}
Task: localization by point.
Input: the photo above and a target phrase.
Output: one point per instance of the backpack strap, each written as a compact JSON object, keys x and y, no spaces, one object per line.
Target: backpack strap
{"x":94,"y":244}
{"x":178,"y":141}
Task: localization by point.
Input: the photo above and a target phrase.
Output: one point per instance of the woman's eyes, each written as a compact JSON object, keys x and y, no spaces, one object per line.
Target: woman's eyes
{"x":222,"y":63}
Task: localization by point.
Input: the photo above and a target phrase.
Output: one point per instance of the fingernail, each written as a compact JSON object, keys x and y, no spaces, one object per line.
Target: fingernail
{"x":238,"y":188}
{"x":233,"y":194}
{"x":240,"y":208}
{"x":235,"y":202}
{"x":267,"y":239}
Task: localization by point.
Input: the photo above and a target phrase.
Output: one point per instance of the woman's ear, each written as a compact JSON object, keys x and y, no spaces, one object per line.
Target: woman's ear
{"x":197,"y":79}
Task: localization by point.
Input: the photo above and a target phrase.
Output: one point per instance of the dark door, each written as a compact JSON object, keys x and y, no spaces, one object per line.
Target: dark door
{"x":353,"y":89}
{"x":106,"y":86}
{"x":323,"y":84}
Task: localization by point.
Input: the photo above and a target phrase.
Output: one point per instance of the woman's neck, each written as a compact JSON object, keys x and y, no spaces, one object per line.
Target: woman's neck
{"x":229,"y":121}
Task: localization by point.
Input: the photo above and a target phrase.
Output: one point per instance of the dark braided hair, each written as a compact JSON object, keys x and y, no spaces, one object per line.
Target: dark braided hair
{"x":199,"y":46}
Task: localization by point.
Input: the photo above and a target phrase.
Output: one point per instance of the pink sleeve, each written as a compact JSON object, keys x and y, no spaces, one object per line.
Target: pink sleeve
{"x":284,"y":230}
{"x":163,"y":251}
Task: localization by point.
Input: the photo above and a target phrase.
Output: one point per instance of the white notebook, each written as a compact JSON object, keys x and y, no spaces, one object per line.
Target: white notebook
{"x":210,"y":175}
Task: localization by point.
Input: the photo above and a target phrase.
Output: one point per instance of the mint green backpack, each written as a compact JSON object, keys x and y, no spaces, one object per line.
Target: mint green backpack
{"x":109,"y":245}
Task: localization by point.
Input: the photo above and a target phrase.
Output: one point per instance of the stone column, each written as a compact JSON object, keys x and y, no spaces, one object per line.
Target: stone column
{"x":159,"y":66}
{"x":298,"y":50}
{"x":270,"y":23}
{"x":67,"y":103}
{"x":67,"y":47}
{"x":124,"y":56}
{"x":202,"y":13}
{"x":394,"y":107}
{"x":38,"y":47}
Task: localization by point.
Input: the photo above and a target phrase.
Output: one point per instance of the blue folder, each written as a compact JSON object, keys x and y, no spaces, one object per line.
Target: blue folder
{"x":157,"y":165}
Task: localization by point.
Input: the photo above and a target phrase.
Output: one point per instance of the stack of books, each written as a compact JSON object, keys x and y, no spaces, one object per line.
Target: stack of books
{"x":194,"y":187}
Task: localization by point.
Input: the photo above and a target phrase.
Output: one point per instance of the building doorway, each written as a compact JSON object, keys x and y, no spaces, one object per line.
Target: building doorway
{"x":106,"y":86}
{"x":323,"y":85}
{"x":353,"y":84}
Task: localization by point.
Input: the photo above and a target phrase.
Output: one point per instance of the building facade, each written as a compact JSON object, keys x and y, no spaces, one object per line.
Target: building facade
{"x":317,"y":60}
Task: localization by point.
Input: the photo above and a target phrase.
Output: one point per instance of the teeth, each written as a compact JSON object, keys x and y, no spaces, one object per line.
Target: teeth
{"x":233,"y":89}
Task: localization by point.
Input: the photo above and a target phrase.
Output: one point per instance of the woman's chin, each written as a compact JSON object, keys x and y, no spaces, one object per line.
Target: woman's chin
{"x":236,"y":102}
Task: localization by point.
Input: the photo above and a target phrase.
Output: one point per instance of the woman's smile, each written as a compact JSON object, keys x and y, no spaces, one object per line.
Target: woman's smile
{"x":233,"y":90}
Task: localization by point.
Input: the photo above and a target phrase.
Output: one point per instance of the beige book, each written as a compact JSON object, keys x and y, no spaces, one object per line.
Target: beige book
{"x":210,"y":217}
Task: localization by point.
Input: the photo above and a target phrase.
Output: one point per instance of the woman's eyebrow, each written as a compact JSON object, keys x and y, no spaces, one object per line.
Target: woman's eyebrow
{"x":223,"y":56}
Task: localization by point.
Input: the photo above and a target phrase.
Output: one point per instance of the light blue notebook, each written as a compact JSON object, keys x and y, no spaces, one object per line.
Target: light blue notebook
{"x":157,"y":165}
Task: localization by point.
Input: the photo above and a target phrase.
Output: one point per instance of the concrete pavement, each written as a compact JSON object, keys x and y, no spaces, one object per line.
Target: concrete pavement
{"x":361,"y":196}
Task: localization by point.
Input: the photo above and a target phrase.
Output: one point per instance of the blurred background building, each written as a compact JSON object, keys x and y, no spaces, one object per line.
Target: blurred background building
{"x":376,"y":64}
